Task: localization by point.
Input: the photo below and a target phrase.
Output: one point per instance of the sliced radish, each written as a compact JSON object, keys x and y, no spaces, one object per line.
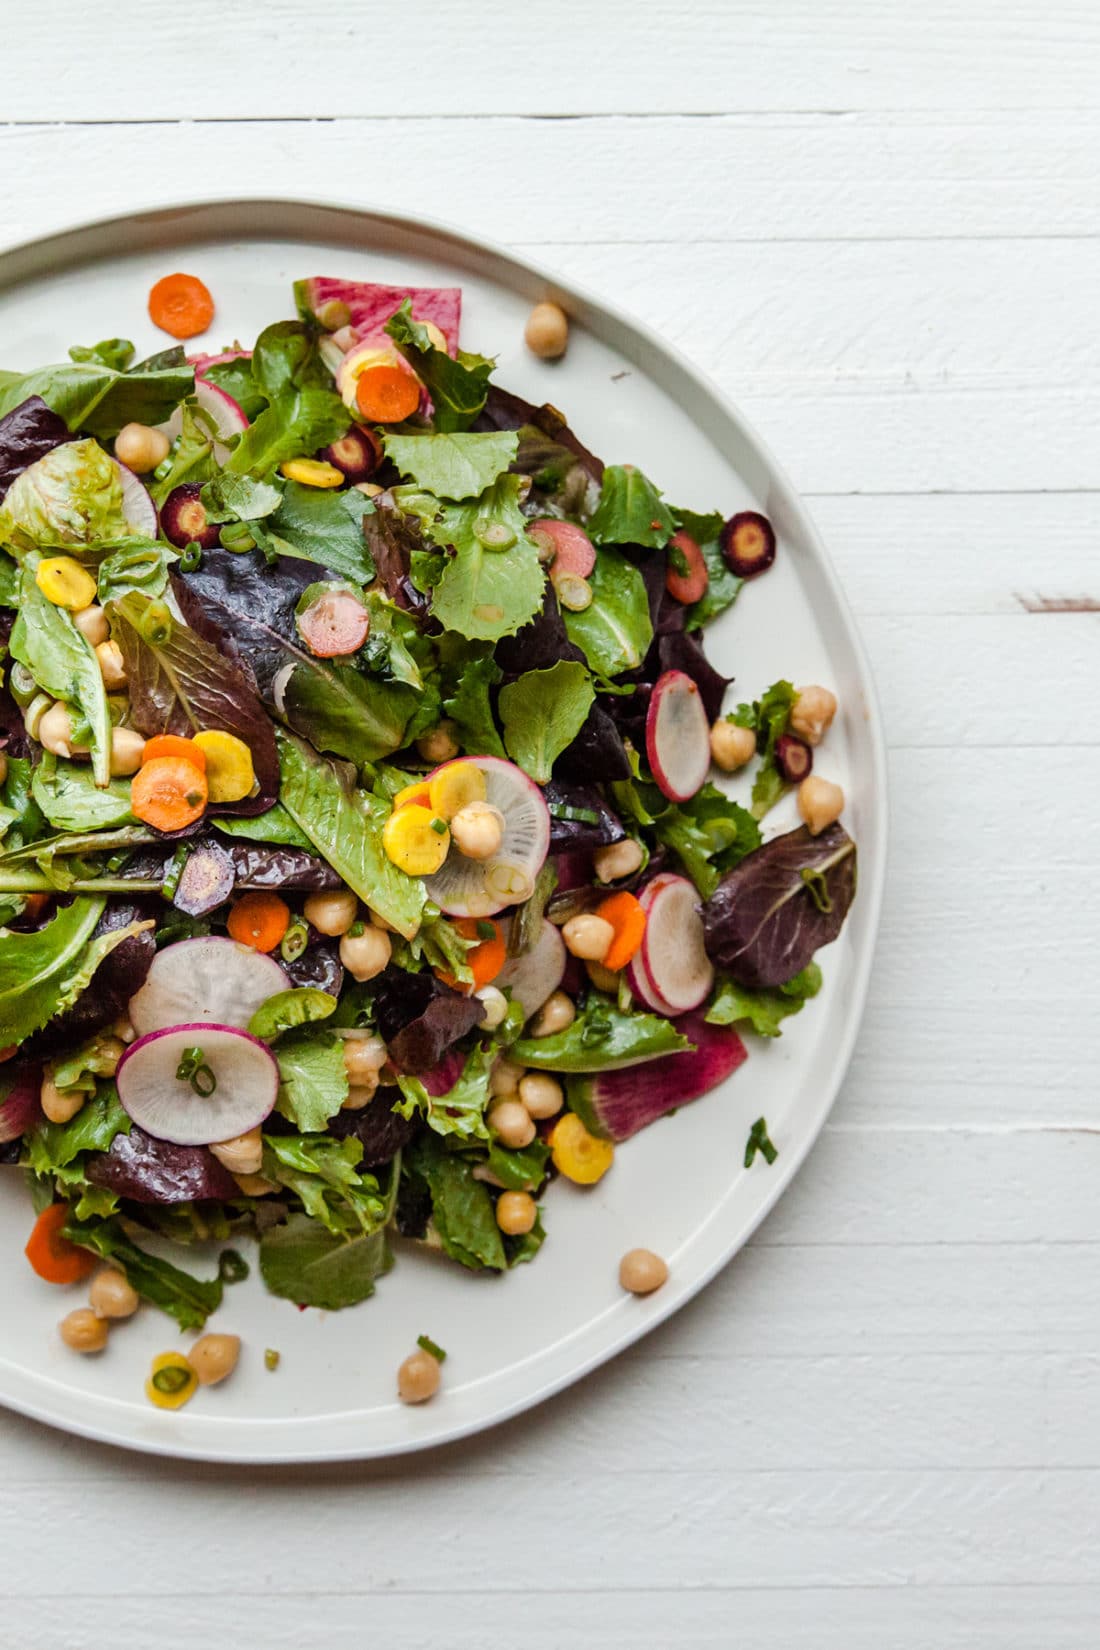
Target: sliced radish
{"x":672,"y":972}
{"x":570,"y":546}
{"x":201,"y":363}
{"x":677,"y":736}
{"x":537,"y":973}
{"x":211,"y":979}
{"x":616,"y":1104}
{"x":241,"y":1072}
{"x":19,"y":1105}
{"x":137,"y":506}
{"x":226,"y":415}
{"x":476,"y":888}
{"x":689,"y":586}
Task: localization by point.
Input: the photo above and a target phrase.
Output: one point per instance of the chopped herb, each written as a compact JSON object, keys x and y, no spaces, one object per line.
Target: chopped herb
{"x":426,"y":1344}
{"x":439,"y":826}
{"x":173,"y":1379}
{"x":486,"y":930}
{"x":174,"y":870}
{"x":272,"y":1358}
{"x":759,"y":1141}
{"x":232,"y":1267}
{"x":191,"y":558}
{"x":193,"y":1069}
{"x":357,"y":928}
{"x":577,"y":816}
{"x":295,"y":941}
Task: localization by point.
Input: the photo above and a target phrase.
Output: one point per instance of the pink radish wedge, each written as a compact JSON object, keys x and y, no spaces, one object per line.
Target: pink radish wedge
{"x":210,"y":979}
{"x":677,"y":736}
{"x":225,"y":415}
{"x":616,"y":1104}
{"x":137,"y":505}
{"x":536,"y":974}
{"x":194,"y":1084}
{"x":671,"y":973}
{"x":478,"y":888}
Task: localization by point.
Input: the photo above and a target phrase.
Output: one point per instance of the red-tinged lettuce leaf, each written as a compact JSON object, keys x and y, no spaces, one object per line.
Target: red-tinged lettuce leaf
{"x":27,"y":433}
{"x":371,"y":304}
{"x":155,"y":1171}
{"x":769,"y":915}
{"x":381,"y":1131}
{"x":392,"y":540}
{"x":504,"y":411}
{"x":418,"y":1018}
{"x":569,"y":834}
{"x":183,"y":684}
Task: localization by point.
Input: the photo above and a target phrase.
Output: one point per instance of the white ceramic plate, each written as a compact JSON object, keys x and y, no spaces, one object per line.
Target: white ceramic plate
{"x":678,"y":1188}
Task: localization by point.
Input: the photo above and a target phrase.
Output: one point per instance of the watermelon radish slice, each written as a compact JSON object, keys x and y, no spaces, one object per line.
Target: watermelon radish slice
{"x":224,"y":413}
{"x":677,"y":736}
{"x":202,"y":362}
{"x":137,"y":505}
{"x":616,"y":1104}
{"x":537,"y":973}
{"x":241,"y":1072}
{"x":477,"y":888}
{"x":672,"y":972}
{"x":370,"y":305}
{"x":209,"y":979}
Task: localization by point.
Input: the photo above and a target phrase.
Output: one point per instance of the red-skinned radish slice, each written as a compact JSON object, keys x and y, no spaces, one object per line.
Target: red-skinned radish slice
{"x":137,"y":505}
{"x":537,"y":973}
{"x":677,"y":736}
{"x":202,"y":362}
{"x":570,"y":547}
{"x":671,"y":973}
{"x":478,"y":888}
{"x":20,"y":1109}
{"x":211,"y":979}
{"x":224,"y":413}
{"x":334,"y":625}
{"x":616,"y":1104}
{"x":240,"y":1072}
{"x":690,"y":586}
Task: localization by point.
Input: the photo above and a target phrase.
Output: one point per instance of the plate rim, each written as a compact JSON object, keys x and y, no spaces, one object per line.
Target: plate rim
{"x":21,"y":261}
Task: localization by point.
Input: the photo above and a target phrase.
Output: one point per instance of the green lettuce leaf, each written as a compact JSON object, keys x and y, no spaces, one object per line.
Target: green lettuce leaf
{"x":288,"y":1009}
{"x":116,"y":353}
{"x":768,"y":717}
{"x":615,"y":631}
{"x":9,"y":580}
{"x":710,"y":834}
{"x":63,"y":663}
{"x":543,"y":712}
{"x":276,"y":825}
{"x":469,"y":672}
{"x":462,"y":1208}
{"x":44,"y":971}
{"x":457,"y":384}
{"x":53,"y":1147}
{"x":239,"y":498}
{"x":453,"y":466}
{"x":313,"y":1080}
{"x":723,"y":585}
{"x":303,"y":1262}
{"x":522,"y":1170}
{"x":100,"y":399}
{"x":461,"y":1111}
{"x":71,"y":496}
{"x":235,"y":378}
{"x":764,"y":1010}
{"x":189,"y":1300}
{"x":324,"y":1173}
{"x":286,"y":358}
{"x":192,"y":456}
{"x":70,"y":799}
{"x":142,"y":566}
{"x":325,"y":527}
{"x":601,"y":1038}
{"x":297,"y":422}
{"x":630,"y":511}
{"x":485,"y":594}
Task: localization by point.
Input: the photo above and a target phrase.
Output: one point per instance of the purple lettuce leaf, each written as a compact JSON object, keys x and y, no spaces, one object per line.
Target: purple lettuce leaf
{"x":155,"y":1171}
{"x":572,"y":834}
{"x":382,"y":1132}
{"x":418,"y":1018}
{"x":318,"y":965}
{"x":28,"y":433}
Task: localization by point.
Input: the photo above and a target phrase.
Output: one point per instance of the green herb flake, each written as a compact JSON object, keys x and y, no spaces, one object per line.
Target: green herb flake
{"x":759,"y":1141}
{"x":426,"y":1344}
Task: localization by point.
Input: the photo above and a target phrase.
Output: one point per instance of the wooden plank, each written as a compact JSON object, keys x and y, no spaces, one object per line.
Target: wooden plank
{"x":610,"y":58}
{"x":734,"y":178}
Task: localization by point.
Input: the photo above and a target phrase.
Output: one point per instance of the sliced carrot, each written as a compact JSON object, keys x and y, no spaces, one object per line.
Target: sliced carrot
{"x":53,"y":1256}
{"x":627,"y":918}
{"x":259,"y":920}
{"x":386,"y":395}
{"x":487,"y":959}
{"x":181,"y":305}
{"x":168,"y":793}
{"x":34,"y":905}
{"x":418,"y":793}
{"x":170,"y":744}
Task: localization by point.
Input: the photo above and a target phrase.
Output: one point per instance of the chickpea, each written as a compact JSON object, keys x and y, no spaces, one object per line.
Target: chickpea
{"x":504,"y":1077}
{"x":255,"y":1185}
{"x":495,"y":1004}
{"x":3,"y":767}
{"x":332,"y":913}
{"x":364,"y":1058}
{"x":60,"y":1105}
{"x":123,"y":1029}
{"x":541,"y":1095}
{"x":547,"y":331}
{"x":588,"y":937}
{"x":365,"y":955}
{"x":517,"y":1212}
{"x":380,"y":922}
{"x":361,"y":1094}
{"x":438,"y":744}
{"x":109,"y":1051}
{"x":604,"y":979}
{"x":477,"y":830}
{"x":418,"y":1378}
{"x":92,"y":624}
{"x":556,"y":1013}
{"x":820,"y":802}
{"x":618,"y":859}
{"x":641,"y":1271}
{"x":112,"y":666}
{"x":511,"y":1122}
{"x":812,"y":714}
{"x":243,"y":1154}
{"x":55,"y":732}
{"x":140,"y":447}
{"x":127,"y":746}
{"x":111,"y":1295}
{"x":214,"y":1357}
{"x":730,"y":746}
{"x":83,"y":1331}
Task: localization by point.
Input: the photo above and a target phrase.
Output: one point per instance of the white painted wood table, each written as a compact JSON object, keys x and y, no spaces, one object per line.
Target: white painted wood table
{"x":878,"y":226}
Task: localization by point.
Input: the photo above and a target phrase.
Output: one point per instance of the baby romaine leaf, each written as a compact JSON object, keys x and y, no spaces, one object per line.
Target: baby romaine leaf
{"x":630,"y":511}
{"x":601,"y":1038}
{"x":63,"y":663}
{"x":235,"y":378}
{"x":324,"y":527}
{"x":779,"y":905}
{"x":487,"y":593}
{"x":764,"y":1010}
{"x":142,"y":566}
{"x":70,"y":496}
{"x":9,"y":581}
{"x":189,"y":1300}
{"x":239,"y":498}
{"x":286,"y":358}
{"x":457,"y":384}
{"x":453,"y":465}
{"x":192,"y":456}
{"x":91,"y":396}
{"x":303,"y":1262}
{"x":287,"y":1009}
{"x":275,"y":826}
{"x":542,"y":712}
{"x":345,"y":826}
{"x":615,"y":631}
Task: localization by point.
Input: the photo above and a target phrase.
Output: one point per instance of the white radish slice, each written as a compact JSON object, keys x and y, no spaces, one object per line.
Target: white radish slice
{"x":225,"y":414}
{"x":137,"y":506}
{"x":672,"y":972}
{"x":210,"y":979}
{"x":241,"y":1071}
{"x":537,"y":973}
{"x":477,"y":888}
{"x":677,"y":736}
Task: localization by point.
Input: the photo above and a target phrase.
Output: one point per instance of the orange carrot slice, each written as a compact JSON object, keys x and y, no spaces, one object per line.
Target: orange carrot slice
{"x":259,"y":920}
{"x":181,"y":305}
{"x":168,"y":793}
{"x":53,"y":1256}
{"x":386,"y":395}
{"x":627,"y":918}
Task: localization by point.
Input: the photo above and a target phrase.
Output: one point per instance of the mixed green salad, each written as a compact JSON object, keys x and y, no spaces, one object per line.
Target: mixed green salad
{"x":362,"y":864}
